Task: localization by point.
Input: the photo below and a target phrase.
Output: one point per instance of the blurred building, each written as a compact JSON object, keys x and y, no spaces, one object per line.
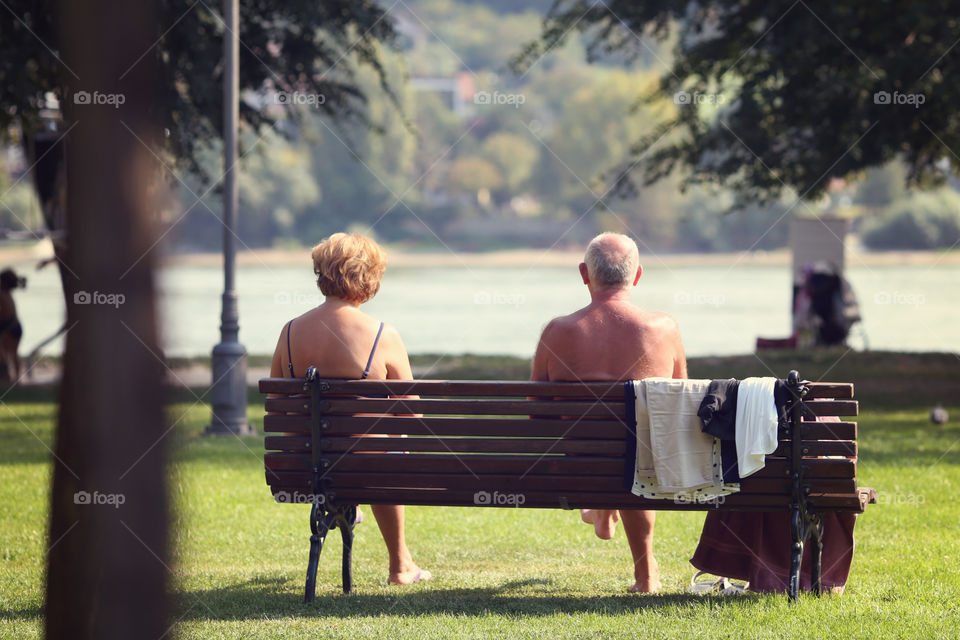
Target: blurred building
{"x":456,"y":91}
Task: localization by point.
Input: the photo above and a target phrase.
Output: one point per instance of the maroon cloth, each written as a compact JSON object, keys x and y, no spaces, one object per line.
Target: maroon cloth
{"x":755,"y":547}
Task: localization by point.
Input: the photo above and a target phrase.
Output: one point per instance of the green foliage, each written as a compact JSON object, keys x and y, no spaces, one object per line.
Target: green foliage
{"x":706,"y":223}
{"x":469,"y":175}
{"x":452,"y":35}
{"x":780,"y":96}
{"x":514,"y":156}
{"x":278,"y":54}
{"x":881,"y":186}
{"x":590,"y":138}
{"x":918,"y":221}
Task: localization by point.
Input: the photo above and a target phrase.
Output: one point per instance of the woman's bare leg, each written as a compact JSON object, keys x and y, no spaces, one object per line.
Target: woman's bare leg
{"x":402,"y":568}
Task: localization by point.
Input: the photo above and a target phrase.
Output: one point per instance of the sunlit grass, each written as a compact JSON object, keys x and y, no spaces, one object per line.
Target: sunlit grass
{"x":240,"y":558}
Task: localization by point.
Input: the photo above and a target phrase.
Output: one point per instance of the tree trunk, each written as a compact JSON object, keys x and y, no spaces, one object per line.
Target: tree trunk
{"x":108,"y":556}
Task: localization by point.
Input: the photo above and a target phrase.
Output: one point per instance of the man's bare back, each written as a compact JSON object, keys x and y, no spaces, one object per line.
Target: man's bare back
{"x":610,"y":340}
{"x":613,"y":339}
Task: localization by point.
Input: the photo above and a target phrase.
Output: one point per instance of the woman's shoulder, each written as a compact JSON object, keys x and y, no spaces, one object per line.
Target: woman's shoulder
{"x":388,"y":330}
{"x":390,"y":338}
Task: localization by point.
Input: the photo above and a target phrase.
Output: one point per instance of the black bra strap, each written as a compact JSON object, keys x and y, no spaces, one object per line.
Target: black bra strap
{"x":289,"y":354}
{"x":366,"y":371}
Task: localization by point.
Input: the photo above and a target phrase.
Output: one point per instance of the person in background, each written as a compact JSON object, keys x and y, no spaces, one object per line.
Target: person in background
{"x":342,"y":341}
{"x":613,"y":339}
{"x":11,"y":331}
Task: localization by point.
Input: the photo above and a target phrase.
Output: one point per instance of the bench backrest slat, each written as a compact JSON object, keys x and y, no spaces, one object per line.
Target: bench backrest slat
{"x":494,"y":388}
{"x":478,"y":465}
{"x":475,"y":445}
{"x":824,"y":408}
{"x":471,"y":406}
{"x":830,"y":430}
{"x":552,"y":446}
{"x":520,"y":427}
{"x":599,"y":390}
{"x":834,"y":390}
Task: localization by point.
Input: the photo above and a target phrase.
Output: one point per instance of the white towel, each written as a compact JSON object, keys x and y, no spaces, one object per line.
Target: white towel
{"x":756,"y":425}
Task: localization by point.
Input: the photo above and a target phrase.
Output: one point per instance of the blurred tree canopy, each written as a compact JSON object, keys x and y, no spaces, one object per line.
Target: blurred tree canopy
{"x":420,"y":164}
{"x":514,"y":156}
{"x":778,"y":94}
{"x":308,"y":48}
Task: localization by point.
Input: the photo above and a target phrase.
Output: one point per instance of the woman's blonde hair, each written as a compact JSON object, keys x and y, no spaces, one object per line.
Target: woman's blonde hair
{"x":349,"y":266}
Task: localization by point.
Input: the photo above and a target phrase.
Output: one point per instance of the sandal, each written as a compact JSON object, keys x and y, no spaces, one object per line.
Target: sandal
{"x":706,"y":586}
{"x":733,"y":589}
{"x":721,"y":586}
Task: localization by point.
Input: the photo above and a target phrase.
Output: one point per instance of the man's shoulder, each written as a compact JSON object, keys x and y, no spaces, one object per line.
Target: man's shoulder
{"x":646,"y":318}
{"x":569,"y":322}
{"x":657,"y":319}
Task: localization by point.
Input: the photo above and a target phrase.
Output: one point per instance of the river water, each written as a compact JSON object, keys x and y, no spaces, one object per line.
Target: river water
{"x":501,"y":310}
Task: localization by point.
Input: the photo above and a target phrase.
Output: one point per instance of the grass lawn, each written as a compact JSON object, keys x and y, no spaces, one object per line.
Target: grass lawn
{"x":240,"y":558}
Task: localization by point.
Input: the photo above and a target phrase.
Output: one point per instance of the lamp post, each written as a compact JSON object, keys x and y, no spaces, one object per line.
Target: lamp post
{"x":229,"y":392}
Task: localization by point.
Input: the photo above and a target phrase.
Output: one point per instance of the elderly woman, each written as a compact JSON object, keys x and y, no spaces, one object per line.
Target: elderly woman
{"x":341,"y":341}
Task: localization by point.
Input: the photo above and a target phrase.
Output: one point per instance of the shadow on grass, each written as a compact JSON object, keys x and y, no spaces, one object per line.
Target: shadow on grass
{"x":30,"y":613}
{"x":271,"y":598}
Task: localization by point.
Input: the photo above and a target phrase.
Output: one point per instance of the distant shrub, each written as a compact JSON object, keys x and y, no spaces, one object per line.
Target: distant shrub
{"x":919,"y":221}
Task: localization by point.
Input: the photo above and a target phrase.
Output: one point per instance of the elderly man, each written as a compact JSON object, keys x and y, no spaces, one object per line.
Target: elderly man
{"x":613,"y":339}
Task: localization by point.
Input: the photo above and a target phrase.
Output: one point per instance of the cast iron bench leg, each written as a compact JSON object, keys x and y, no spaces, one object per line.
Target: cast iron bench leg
{"x":346,"y":520}
{"x":803,"y":526}
{"x":816,"y":574}
{"x":347,"y":533}
{"x":796,"y":551}
{"x":320,"y":525}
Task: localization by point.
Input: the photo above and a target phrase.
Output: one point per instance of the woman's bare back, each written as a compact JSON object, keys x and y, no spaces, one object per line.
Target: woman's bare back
{"x":339,"y":341}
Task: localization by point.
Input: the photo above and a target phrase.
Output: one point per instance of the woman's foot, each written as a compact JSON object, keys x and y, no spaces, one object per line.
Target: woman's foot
{"x":403,"y":570}
{"x":410,"y":577}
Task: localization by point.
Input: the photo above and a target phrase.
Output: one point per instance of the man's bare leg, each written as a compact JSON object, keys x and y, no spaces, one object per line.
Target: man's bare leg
{"x":638,"y":526}
{"x":604,"y":521}
{"x":402,"y":568}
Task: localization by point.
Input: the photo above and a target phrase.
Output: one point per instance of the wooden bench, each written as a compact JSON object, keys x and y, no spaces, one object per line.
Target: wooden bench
{"x":476,"y":444}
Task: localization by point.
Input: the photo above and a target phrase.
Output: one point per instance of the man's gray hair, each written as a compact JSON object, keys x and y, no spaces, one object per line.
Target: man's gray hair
{"x":612,"y":260}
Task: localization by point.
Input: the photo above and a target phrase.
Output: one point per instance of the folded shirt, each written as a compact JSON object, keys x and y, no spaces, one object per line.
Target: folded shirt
{"x":675,"y":459}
